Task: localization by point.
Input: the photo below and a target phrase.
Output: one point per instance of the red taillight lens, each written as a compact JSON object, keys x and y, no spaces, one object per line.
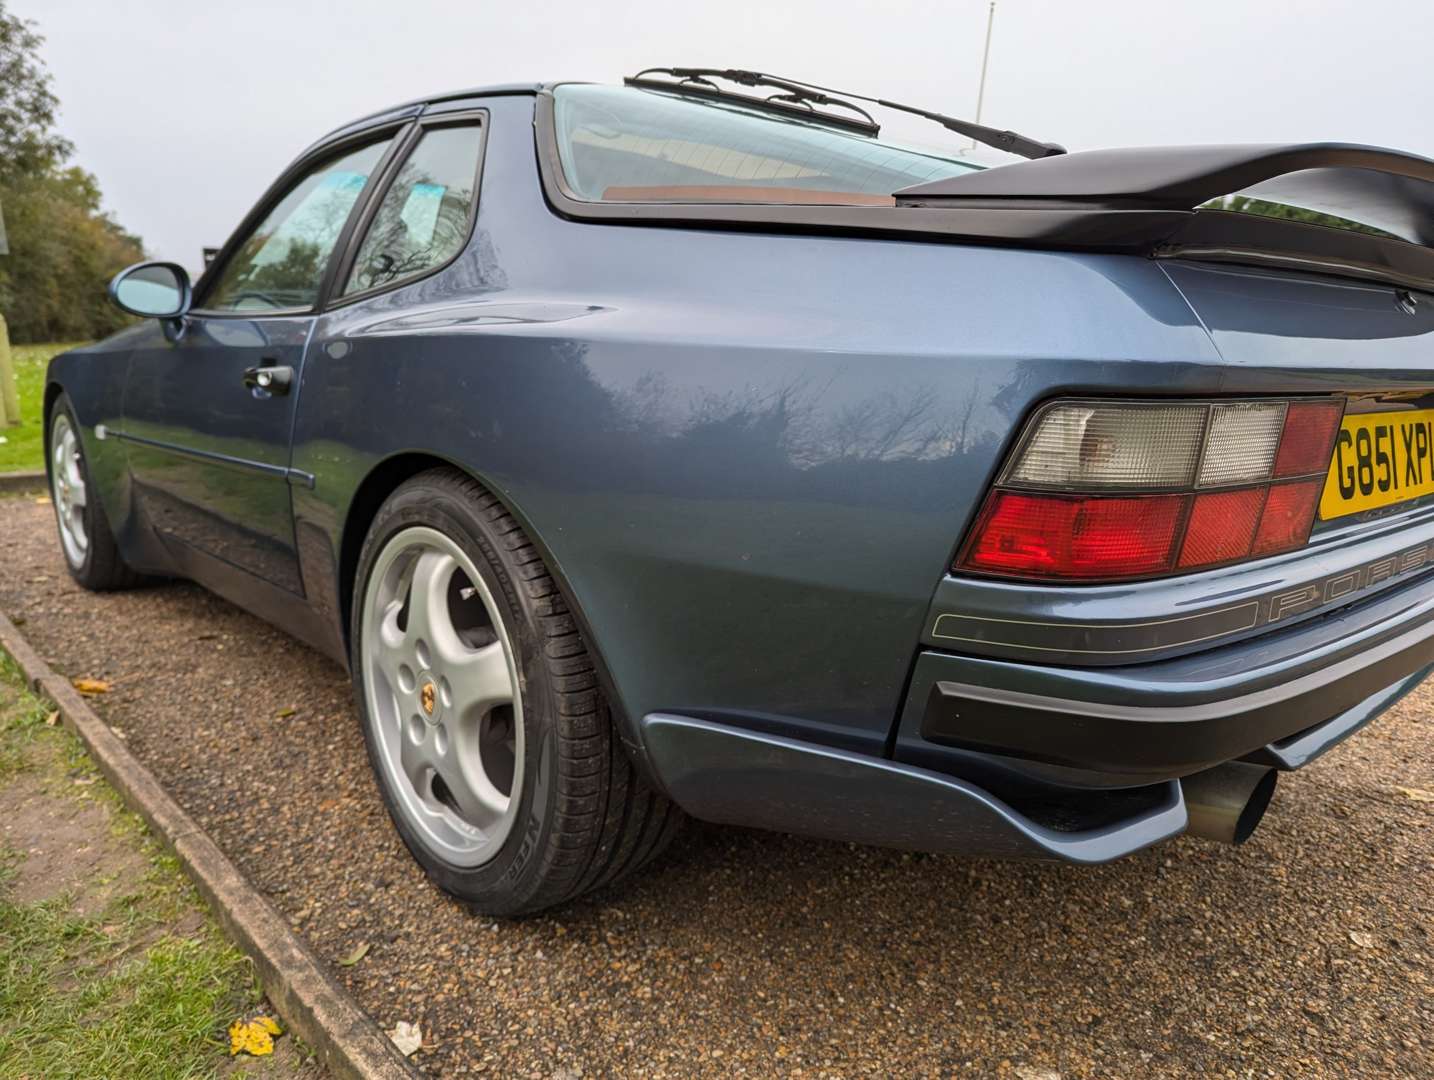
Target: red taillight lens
{"x":1308,"y":436}
{"x":1095,"y":527}
{"x":1078,"y":537}
{"x":1288,"y":517}
{"x":1221,"y":527}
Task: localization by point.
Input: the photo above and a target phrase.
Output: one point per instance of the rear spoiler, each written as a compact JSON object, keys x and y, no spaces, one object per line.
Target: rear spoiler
{"x":1160,"y":191}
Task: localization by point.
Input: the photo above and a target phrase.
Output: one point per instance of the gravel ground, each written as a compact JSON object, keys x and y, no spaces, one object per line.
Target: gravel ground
{"x":1307,"y":952}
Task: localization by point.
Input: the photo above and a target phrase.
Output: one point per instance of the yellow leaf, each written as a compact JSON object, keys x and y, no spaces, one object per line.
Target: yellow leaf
{"x":254,"y":1037}
{"x":1417,"y":794}
{"x":91,"y":686}
{"x":53,"y":718}
{"x":354,"y":957}
{"x":286,"y":712}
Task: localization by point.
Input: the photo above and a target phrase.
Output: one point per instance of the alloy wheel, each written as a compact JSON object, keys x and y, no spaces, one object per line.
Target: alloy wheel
{"x":441,"y":682}
{"x":67,"y":489}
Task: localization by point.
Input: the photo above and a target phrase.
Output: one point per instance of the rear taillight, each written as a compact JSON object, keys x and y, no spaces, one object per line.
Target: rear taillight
{"x":1108,"y":490}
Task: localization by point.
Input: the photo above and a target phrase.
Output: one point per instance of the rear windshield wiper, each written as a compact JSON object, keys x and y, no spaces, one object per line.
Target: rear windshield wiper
{"x":794,"y":99}
{"x":808,"y":95}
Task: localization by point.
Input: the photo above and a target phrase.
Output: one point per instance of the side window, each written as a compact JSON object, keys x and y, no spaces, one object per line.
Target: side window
{"x":426,"y":213}
{"x":281,"y":264}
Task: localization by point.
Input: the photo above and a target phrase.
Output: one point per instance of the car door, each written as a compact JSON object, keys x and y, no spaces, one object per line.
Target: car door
{"x":209,"y":404}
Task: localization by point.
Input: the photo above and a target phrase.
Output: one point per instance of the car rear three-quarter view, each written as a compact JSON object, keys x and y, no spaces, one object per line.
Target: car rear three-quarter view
{"x":690,"y":447}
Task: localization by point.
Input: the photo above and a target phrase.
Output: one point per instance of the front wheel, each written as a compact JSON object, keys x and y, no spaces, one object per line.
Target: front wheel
{"x":90,"y":551}
{"x":489,"y":736}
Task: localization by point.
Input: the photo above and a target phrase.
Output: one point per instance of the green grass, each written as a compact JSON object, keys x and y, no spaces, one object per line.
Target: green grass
{"x":24,"y":445}
{"x":22,"y":718}
{"x":128,"y":990}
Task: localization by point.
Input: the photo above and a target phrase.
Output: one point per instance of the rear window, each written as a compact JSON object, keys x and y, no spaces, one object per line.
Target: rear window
{"x":623,"y":144}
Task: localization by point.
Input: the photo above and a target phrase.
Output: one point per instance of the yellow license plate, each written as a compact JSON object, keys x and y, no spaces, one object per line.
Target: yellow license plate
{"x":1379,"y":459}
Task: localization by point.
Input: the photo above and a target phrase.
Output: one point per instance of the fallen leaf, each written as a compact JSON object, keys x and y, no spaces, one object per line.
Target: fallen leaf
{"x":1417,"y":794}
{"x":360,"y":951}
{"x":53,"y":718}
{"x":1360,"y":938}
{"x":254,"y":1037}
{"x":91,"y":686}
{"x":407,"y":1037}
{"x":43,"y":500}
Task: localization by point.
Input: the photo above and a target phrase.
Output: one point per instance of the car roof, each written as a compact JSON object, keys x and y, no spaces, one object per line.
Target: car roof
{"x":418,"y":105}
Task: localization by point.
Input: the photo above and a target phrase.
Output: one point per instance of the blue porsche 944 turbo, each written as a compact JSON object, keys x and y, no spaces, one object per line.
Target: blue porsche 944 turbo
{"x":687,"y":447}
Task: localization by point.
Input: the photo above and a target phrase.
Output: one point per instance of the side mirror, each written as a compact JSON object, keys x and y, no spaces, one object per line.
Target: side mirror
{"x":152,"y":290}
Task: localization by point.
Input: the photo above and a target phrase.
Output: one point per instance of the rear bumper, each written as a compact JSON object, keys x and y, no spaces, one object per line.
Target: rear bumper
{"x":1084,"y":764}
{"x":1279,"y":699}
{"x":733,"y":776}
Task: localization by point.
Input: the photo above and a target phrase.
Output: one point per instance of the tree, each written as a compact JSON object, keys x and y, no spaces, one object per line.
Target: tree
{"x":27,"y":103}
{"x":63,"y":246}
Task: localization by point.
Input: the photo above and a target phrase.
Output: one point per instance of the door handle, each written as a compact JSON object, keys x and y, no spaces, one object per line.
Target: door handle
{"x":265,"y":381}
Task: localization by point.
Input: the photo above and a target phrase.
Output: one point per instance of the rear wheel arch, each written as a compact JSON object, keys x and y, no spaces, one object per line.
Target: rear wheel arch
{"x":378,"y":485}
{"x":585,"y":817}
{"x":381,"y":482}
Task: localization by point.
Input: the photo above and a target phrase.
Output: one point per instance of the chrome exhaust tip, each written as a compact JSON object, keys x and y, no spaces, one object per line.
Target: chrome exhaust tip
{"x":1227,"y":802}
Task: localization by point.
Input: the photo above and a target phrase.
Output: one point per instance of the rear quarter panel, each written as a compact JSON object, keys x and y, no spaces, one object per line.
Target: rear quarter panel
{"x":749,"y":456}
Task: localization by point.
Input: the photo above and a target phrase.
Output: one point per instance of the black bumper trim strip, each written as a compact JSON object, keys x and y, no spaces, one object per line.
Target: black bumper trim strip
{"x":1174,"y":739}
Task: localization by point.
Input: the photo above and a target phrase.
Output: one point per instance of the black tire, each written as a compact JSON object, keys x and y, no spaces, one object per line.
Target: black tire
{"x":585,"y":818}
{"x":100,"y":568}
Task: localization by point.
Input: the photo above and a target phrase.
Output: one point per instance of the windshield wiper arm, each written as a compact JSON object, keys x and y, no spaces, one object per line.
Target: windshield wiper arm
{"x":794,"y":98}
{"x":1013,"y":142}
{"x":794,"y":89}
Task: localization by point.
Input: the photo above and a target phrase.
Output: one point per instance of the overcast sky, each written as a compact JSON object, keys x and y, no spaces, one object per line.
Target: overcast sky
{"x":187,"y":109}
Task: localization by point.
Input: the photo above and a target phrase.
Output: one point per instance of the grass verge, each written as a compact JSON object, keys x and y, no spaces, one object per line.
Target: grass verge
{"x":22,"y":447}
{"x":115,"y":969}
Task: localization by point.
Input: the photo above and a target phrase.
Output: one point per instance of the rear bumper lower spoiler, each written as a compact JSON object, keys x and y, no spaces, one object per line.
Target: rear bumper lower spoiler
{"x":733,"y":776}
{"x":736,"y":777}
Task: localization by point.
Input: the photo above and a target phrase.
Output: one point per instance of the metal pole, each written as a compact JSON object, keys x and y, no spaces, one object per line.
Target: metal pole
{"x":985,"y":59}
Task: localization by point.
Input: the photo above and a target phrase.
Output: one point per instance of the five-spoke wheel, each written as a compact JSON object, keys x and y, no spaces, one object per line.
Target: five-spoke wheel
{"x":441,"y":683}
{"x":482,"y":710}
{"x":68,"y":490}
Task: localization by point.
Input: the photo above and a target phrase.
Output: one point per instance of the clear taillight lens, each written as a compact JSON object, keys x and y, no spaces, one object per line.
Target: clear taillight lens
{"x":1241,"y":443}
{"x":1110,"y":446}
{"x":1111,"y":490}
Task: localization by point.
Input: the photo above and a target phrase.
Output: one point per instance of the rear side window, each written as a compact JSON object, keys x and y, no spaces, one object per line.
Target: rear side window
{"x":282,"y":262}
{"x":426,"y":213}
{"x":625,"y":144}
